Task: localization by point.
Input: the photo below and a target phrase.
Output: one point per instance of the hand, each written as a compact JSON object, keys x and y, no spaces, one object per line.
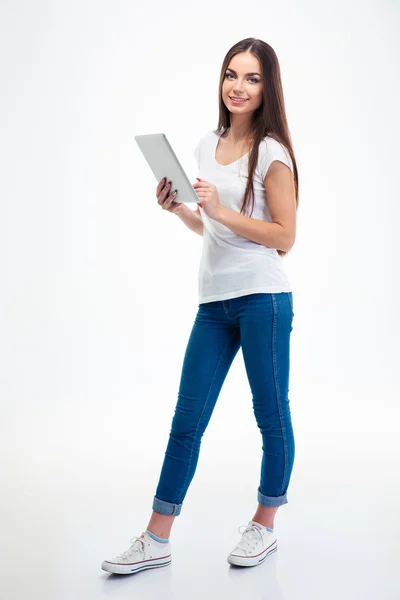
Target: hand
{"x":167,"y":202}
{"x":209,"y":199}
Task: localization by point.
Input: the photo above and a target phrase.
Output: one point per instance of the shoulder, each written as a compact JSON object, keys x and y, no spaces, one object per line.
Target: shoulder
{"x":269,"y":150}
{"x":270,"y":144}
{"x":204,"y":138}
{"x":210,"y":134}
{"x":203,"y":144}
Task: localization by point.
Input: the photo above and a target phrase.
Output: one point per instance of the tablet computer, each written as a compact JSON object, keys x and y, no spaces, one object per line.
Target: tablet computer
{"x":163,"y":161}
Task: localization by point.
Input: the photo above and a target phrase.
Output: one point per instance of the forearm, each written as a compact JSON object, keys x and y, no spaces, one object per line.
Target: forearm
{"x":267,"y":234}
{"x":191,"y":219}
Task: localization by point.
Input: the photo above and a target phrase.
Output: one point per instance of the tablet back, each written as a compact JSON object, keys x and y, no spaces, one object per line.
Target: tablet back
{"x":163,"y":162}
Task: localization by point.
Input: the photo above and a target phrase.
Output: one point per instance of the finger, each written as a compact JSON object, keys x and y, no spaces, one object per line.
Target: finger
{"x":169,"y":201}
{"x":166,"y":190}
{"x":164,"y":193}
{"x":161,"y":196}
{"x":160,"y":185}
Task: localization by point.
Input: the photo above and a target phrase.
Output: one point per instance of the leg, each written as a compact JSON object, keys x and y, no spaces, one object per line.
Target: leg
{"x":212,"y":346}
{"x":265,"y":329}
{"x":265,"y":515}
{"x":160,"y":524}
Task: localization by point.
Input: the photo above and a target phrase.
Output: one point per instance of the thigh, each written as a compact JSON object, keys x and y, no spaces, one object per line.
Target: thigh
{"x":212,"y":346}
{"x":265,"y":328}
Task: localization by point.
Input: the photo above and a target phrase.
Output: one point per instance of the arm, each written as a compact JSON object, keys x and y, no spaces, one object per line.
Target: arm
{"x":191,"y":218}
{"x":280,"y":193}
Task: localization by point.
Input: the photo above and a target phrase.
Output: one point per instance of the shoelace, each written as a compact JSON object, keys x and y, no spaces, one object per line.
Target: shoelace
{"x":252,"y":534}
{"x":134,"y":548}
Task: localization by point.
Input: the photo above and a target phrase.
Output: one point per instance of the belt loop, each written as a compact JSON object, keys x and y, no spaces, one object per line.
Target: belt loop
{"x":228,"y":308}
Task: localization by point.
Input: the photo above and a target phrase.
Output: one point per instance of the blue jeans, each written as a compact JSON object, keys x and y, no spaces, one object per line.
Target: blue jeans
{"x":261,"y":325}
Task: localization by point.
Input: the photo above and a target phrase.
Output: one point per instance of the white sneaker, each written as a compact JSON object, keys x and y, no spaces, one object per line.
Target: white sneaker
{"x":144,"y":553}
{"x":256,"y":544}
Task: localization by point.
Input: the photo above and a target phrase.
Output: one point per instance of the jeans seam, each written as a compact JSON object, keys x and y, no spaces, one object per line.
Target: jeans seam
{"x":291,"y":301}
{"x":204,"y":407}
{"x":277,"y":391}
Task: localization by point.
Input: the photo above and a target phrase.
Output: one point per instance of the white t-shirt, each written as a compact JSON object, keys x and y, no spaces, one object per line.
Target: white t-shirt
{"x":232,"y":265}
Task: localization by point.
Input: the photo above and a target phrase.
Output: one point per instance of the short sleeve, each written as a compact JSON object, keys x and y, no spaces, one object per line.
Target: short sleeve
{"x":270,"y":150}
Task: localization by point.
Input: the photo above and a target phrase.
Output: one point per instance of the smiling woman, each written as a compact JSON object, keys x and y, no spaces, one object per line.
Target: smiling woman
{"x":252,"y":110}
{"x":245,"y":301}
{"x":247,"y":130}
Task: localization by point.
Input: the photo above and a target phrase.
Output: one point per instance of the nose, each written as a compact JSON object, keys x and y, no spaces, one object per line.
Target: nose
{"x":238,"y":89}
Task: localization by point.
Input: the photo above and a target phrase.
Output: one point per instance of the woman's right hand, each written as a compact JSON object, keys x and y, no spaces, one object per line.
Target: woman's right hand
{"x":167,"y":202}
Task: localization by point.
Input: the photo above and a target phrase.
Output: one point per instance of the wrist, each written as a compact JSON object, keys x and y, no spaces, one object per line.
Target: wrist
{"x":181,"y":211}
{"x":220,"y":214}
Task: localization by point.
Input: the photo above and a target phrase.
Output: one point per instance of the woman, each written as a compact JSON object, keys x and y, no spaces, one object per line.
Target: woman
{"x":245,"y":299}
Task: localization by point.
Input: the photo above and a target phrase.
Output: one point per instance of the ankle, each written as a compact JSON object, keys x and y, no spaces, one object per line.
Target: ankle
{"x":160,"y":532}
{"x":265,"y":523}
{"x":161,"y":525}
{"x":159,"y":539}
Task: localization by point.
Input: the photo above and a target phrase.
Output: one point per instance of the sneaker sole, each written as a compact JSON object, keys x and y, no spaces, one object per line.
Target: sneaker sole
{"x":252,"y":561}
{"x":120,"y":569}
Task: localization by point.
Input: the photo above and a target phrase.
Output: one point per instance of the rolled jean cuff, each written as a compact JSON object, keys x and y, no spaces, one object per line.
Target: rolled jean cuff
{"x":166,"y":508}
{"x":271,"y":500}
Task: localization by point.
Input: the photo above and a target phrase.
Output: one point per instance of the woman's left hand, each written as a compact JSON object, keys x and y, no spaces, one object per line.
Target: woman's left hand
{"x":209,"y":199}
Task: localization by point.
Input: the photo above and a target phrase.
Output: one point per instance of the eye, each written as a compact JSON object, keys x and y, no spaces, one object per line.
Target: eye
{"x":250,"y":78}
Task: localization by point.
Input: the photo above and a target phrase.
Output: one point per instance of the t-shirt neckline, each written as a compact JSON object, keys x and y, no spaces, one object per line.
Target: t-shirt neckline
{"x":215,"y":150}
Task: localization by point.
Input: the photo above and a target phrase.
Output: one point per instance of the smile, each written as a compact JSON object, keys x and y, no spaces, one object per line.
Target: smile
{"x":237,"y":101}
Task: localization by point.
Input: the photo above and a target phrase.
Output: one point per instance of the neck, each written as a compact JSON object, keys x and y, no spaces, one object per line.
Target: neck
{"x":239,"y":132}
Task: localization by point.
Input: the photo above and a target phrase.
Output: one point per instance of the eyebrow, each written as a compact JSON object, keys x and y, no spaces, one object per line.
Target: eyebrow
{"x":229,"y":69}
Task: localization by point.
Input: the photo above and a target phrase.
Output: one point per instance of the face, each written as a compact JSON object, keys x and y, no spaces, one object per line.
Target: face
{"x":242,"y":79}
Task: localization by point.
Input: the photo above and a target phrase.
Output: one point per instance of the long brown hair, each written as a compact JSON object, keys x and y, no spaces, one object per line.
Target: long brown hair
{"x":270,"y":117}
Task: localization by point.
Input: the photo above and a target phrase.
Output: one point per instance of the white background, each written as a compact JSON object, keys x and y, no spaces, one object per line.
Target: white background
{"x":99,"y":295}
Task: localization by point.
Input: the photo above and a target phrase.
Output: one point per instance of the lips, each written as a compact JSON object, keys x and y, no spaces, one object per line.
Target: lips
{"x":233,"y":98}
